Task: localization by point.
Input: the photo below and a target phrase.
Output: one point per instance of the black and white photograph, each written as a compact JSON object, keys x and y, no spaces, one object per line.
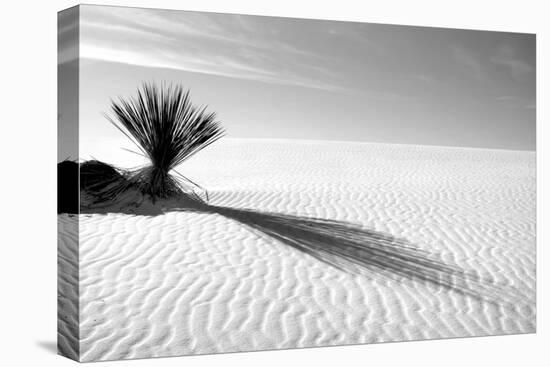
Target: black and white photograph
{"x":235,"y":183}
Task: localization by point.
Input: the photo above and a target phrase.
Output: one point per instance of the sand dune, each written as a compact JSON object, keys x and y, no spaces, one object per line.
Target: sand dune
{"x":67,"y":286}
{"x":219,"y":279}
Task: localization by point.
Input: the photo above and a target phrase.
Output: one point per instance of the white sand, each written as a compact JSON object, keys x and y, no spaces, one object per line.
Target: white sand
{"x":195,"y":283}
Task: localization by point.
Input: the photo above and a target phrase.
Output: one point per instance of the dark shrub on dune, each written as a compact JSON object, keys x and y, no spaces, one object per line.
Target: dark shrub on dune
{"x":101,"y":183}
{"x":67,"y":187}
{"x":96,"y":175}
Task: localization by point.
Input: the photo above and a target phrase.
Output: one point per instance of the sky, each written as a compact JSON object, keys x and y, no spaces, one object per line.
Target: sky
{"x":270,"y":77}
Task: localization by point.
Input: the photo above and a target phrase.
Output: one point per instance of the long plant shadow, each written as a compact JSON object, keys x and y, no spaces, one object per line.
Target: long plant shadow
{"x":358,"y":250}
{"x":354,"y":249}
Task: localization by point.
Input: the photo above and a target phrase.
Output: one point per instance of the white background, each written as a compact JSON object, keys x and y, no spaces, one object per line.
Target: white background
{"x":28,"y":181}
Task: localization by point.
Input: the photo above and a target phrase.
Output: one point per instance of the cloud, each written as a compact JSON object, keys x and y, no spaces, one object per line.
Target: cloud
{"x":469,"y":61}
{"x":517,"y":102}
{"x":199,"y":42}
{"x":67,"y":36}
{"x":506,"y":56}
{"x":506,"y":98}
{"x":517,"y":68}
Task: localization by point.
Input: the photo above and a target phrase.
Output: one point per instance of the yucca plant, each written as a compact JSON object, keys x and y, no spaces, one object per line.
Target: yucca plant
{"x":167,"y":129}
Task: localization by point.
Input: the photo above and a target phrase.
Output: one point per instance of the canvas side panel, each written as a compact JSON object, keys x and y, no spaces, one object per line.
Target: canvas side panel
{"x":68,"y":183}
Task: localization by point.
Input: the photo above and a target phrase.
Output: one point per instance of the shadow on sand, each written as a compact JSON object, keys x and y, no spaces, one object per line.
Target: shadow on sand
{"x":351,"y":248}
{"x":48,"y":346}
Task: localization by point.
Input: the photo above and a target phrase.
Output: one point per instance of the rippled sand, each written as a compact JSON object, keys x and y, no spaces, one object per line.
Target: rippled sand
{"x":195,"y":282}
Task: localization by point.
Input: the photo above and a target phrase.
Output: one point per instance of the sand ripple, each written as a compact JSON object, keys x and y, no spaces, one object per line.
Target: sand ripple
{"x":195,"y":283}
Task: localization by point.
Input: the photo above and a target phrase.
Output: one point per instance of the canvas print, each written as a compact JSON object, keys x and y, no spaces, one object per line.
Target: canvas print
{"x":231,"y":183}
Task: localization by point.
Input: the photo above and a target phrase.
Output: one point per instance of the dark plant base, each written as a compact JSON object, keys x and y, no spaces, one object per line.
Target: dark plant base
{"x":103,"y":187}
{"x":67,"y":187}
